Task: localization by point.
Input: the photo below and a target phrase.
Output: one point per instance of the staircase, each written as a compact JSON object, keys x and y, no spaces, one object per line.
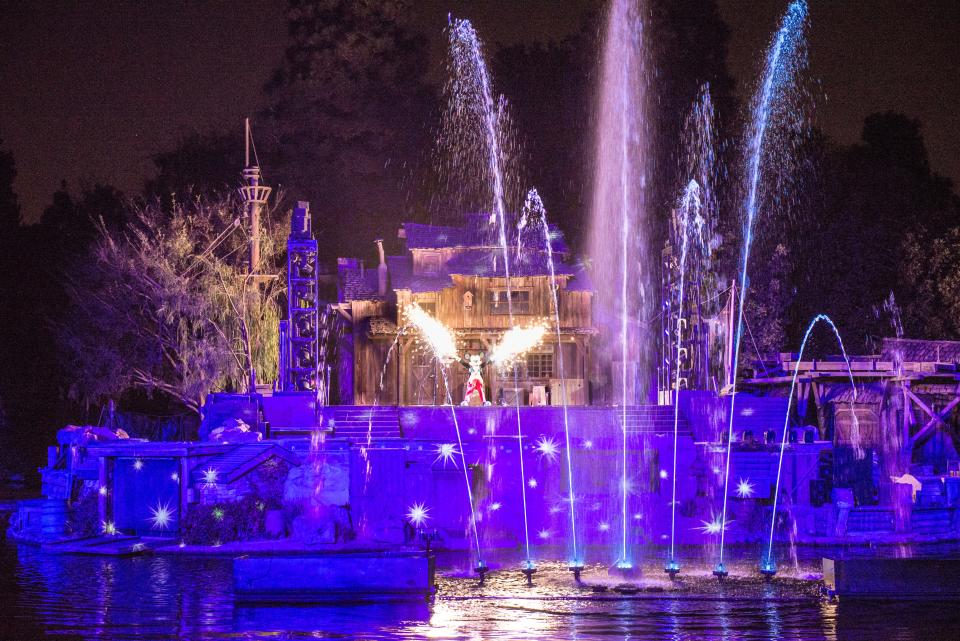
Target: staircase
{"x":355,"y":422}
{"x":651,"y":419}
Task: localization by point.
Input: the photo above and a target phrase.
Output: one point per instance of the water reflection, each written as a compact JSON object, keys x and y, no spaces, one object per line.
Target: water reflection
{"x":192,"y":598}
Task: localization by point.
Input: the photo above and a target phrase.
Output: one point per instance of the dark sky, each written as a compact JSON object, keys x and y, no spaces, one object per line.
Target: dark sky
{"x":92,"y":88}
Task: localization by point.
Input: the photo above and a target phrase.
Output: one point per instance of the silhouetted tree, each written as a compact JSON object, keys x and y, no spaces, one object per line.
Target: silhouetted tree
{"x":9,"y":204}
{"x":350,"y":116}
{"x":202,"y":163}
{"x":164,"y":305}
{"x":876,"y":217}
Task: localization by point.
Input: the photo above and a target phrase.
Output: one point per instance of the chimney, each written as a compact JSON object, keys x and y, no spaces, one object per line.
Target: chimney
{"x":381,"y":269}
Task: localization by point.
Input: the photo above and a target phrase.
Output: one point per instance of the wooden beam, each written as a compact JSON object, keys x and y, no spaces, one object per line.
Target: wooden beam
{"x":931,"y":425}
{"x":926,"y":408}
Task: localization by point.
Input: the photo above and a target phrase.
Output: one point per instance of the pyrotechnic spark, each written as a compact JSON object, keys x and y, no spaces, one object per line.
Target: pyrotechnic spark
{"x":532,"y":483}
{"x":138,"y":464}
{"x":745,"y":489}
{"x":103,"y":490}
{"x":604,"y":526}
{"x":161,"y":516}
{"x":437,"y":336}
{"x":210,"y":476}
{"x":108,"y":528}
{"x":664,"y":474}
{"x":555,"y":509}
{"x":516,"y":342}
{"x":544,"y":534}
{"x":588,"y":445}
{"x":496,"y":505}
{"x":218,"y":513}
{"x":418,"y":514}
{"x":548,"y":448}
{"x":714,"y":526}
{"x":175,"y":477}
{"x":445,"y":452}
{"x":138,"y":547}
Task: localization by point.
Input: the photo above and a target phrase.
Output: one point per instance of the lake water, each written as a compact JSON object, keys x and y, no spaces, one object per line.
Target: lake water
{"x":164,"y":597}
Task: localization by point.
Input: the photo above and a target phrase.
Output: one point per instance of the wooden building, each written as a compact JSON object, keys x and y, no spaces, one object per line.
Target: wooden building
{"x":905,"y":407}
{"x":457,"y":275}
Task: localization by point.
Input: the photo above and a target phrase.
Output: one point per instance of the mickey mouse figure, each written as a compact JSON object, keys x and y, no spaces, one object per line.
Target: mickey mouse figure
{"x":474,"y":391}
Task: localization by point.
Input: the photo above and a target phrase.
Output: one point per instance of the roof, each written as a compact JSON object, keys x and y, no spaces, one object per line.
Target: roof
{"x":842,"y":393}
{"x":479,"y":233}
{"x":401,"y":276}
{"x":356,"y":282}
{"x":421,"y":236}
{"x":477,"y":253}
{"x":490,"y":263}
{"x":921,"y":351}
{"x":239,"y":460}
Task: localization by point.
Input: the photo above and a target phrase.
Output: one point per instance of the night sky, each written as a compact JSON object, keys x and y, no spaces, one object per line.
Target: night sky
{"x":91,"y":89}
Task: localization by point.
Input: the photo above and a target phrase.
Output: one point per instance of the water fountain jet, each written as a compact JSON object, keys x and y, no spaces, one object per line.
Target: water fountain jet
{"x":779,"y":73}
{"x":768,"y":565}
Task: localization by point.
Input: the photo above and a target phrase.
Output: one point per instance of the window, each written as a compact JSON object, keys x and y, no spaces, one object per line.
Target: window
{"x":540,"y":365}
{"x":497,"y":300}
{"x":430,"y":264}
{"x":429,"y":307}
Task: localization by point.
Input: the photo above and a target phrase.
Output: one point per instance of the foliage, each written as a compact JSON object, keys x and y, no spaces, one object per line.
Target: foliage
{"x":266,"y":482}
{"x":165,"y":304}
{"x":551,"y":88}
{"x":872,"y":215}
{"x":85,"y":513}
{"x":348,"y":117}
{"x":931,"y":274}
{"x":224,"y":522}
{"x":9,"y":203}
{"x":200,"y":163}
{"x":766,"y":307}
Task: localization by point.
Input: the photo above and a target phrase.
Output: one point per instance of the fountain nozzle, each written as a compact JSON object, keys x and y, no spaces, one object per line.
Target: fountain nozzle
{"x":481,"y":571}
{"x":672,"y":568}
{"x":529,"y":569}
{"x":768,"y":568}
{"x":720,"y":571}
{"x":576,"y":567}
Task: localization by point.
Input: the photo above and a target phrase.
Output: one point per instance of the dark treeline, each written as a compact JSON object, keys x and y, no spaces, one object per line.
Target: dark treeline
{"x":350,"y":127}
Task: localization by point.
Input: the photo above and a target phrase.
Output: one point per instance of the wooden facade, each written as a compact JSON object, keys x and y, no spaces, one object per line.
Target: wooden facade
{"x":396,"y":370}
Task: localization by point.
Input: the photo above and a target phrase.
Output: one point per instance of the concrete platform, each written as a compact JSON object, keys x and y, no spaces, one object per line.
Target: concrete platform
{"x":316,"y":577}
{"x":926,"y":579}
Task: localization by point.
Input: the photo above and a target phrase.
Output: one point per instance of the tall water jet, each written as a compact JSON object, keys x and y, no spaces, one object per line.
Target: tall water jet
{"x":534,"y":215}
{"x":621,"y":272}
{"x":473,"y":90}
{"x":784,"y":59}
{"x":687,"y":211}
{"x":442,"y":344}
{"x":768,"y":565}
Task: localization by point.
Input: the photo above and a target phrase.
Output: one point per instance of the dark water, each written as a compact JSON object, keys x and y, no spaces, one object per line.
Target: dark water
{"x":161,"y":597}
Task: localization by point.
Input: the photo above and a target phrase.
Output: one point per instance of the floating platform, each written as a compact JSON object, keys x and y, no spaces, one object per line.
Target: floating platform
{"x":118,"y":545}
{"x":918,"y":579}
{"x":315,"y":577}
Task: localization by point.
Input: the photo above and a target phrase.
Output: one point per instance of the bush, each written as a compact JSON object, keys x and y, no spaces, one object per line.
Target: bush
{"x":84,"y":519}
{"x":266,"y":482}
{"x":224,"y":523}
